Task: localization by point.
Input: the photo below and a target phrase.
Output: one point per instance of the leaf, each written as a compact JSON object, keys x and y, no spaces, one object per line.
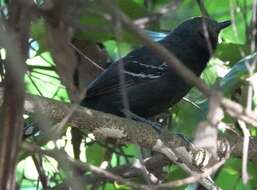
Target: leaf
{"x":176,"y":173}
{"x":186,"y":115}
{"x":117,"y":49}
{"x":236,"y":74}
{"x":230,"y":51}
{"x":95,"y":27}
{"x":186,"y":118}
{"x":132,"y":9}
{"x":38,"y":33}
{"x":229,"y":174}
{"x":95,"y":154}
{"x":252,"y":168}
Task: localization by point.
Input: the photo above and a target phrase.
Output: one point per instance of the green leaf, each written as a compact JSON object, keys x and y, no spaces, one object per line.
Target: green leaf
{"x":241,"y":186}
{"x":231,"y":52}
{"x":108,"y":186}
{"x":115,"y":48}
{"x":95,"y":154}
{"x":132,"y":9}
{"x":175,"y":173}
{"x":229,"y":175}
{"x":252,"y":168}
{"x":186,"y":117}
{"x":96,"y":27}
{"x":131,"y":149}
{"x":38,"y":33}
{"x":238,"y":72}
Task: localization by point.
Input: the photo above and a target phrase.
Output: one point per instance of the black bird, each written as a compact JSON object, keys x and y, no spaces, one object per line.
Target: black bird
{"x":151,"y":84}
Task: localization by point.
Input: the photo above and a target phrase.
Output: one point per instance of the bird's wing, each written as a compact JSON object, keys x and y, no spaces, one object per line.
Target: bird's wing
{"x":139,"y":66}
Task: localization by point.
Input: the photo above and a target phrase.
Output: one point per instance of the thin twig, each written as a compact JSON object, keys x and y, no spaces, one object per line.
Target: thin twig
{"x":202,"y":8}
{"x":234,"y":27}
{"x":245,"y":150}
{"x":194,"y":178}
{"x":86,"y":57}
{"x":40,"y":170}
{"x":254,"y":27}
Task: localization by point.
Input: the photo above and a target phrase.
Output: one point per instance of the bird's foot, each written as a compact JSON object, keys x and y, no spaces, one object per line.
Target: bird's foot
{"x":185,"y":139}
{"x":131,"y":115}
{"x":29,"y":130}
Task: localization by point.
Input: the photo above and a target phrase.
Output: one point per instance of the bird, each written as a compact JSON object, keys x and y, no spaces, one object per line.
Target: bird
{"x":150,"y":86}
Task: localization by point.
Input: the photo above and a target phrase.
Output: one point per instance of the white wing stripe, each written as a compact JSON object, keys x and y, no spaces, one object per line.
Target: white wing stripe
{"x":141,"y":75}
{"x":160,"y":67}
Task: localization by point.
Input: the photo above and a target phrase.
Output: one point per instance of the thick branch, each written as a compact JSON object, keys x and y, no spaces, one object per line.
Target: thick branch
{"x":109,"y":126}
{"x":123,"y":130}
{"x":16,"y":44}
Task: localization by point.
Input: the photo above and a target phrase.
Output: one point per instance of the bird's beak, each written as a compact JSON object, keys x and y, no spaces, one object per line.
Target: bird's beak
{"x":224,"y":24}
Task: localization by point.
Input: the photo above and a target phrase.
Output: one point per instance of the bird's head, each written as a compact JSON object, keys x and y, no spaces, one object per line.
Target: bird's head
{"x":201,"y":32}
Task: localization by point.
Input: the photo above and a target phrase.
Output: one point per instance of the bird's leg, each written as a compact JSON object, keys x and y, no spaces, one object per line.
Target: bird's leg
{"x":136,"y":117}
{"x":29,"y":129}
{"x":186,"y":140}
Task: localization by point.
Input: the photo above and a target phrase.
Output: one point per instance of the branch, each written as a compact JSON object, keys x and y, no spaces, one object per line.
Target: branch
{"x":124,"y":130}
{"x":158,"y":161}
{"x":202,"y":8}
{"x":14,"y":34}
{"x":65,"y":160}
